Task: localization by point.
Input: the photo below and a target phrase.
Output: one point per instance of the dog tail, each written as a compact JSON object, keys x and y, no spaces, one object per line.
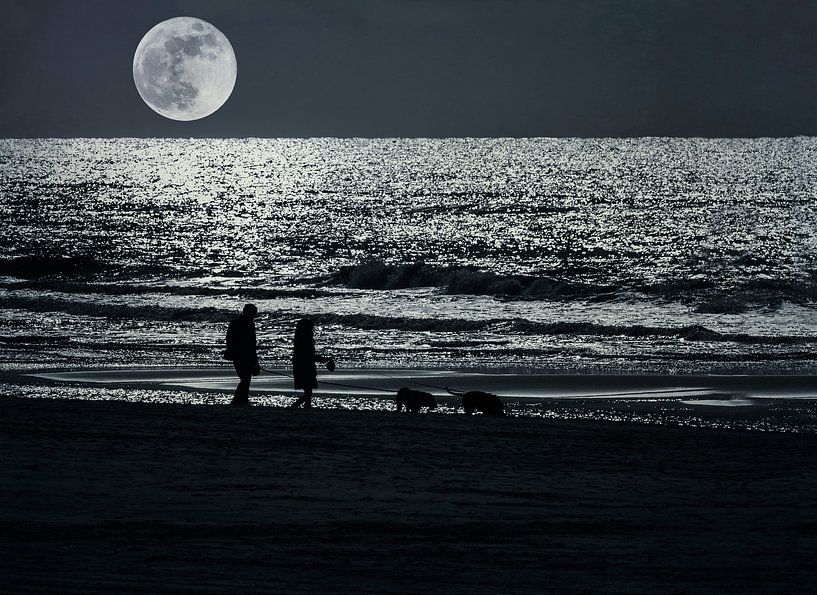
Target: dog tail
{"x":456,"y":393}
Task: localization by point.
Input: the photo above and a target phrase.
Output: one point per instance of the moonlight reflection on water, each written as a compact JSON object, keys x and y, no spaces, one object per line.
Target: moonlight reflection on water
{"x":670,"y":255}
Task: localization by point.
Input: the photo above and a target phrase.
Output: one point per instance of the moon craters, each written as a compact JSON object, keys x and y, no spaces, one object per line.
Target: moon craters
{"x":184,"y":68}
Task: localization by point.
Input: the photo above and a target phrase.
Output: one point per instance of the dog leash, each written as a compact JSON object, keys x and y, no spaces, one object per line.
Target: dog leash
{"x":406,"y":380}
{"x":384,"y":390}
{"x":417,"y":382}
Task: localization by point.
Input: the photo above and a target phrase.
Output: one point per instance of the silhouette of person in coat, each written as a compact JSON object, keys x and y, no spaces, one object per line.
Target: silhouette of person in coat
{"x":303,"y":362}
{"x":241,"y":349}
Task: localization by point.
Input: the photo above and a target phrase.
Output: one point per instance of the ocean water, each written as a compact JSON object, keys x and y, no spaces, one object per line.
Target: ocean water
{"x":565,"y":255}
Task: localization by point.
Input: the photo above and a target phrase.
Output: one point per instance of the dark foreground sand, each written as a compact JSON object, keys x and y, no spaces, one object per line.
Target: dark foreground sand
{"x":117,"y":497}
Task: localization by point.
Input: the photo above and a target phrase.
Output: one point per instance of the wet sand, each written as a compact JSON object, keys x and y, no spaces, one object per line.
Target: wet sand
{"x":377,"y":382}
{"x":115,"y":496}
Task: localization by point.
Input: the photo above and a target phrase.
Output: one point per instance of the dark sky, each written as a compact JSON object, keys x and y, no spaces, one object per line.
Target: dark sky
{"x":427,"y":68}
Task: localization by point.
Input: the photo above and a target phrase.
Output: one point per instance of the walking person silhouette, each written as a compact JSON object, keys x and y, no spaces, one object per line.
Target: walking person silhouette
{"x":241,"y":349}
{"x":303,"y":362}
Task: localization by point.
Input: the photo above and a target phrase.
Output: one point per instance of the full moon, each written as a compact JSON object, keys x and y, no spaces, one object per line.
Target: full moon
{"x":184,"y":68}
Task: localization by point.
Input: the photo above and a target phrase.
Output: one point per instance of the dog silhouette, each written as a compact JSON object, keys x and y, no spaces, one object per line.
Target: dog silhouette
{"x":414,"y":400}
{"x":476,"y":400}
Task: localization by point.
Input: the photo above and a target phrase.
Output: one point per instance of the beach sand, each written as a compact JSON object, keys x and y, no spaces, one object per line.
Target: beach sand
{"x":135,"y":497}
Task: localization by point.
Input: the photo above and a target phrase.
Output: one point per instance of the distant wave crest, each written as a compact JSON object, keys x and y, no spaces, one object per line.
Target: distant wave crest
{"x":373,"y":322}
{"x":702,"y":293}
{"x":527,"y":327}
{"x":376,"y":274}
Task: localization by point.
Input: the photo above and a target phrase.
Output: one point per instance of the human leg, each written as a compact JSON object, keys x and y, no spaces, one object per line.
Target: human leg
{"x":305,"y":400}
{"x":242,"y":391}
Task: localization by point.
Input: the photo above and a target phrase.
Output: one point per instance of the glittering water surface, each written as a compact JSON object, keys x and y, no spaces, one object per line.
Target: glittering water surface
{"x":672,"y":255}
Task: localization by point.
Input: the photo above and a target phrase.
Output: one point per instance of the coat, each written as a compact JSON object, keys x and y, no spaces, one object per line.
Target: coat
{"x":241,"y":346}
{"x":303,"y":363}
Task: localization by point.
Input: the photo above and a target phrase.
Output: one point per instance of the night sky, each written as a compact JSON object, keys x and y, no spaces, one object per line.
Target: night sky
{"x":427,"y":68}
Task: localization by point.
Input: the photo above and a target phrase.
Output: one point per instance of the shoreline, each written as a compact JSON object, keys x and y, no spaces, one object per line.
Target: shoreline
{"x":738,"y":403}
{"x":376,"y":381}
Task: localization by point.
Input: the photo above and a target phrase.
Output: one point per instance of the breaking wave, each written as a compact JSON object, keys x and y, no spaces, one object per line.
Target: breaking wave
{"x":704,"y":294}
{"x":377,"y":274}
{"x":527,"y":327}
{"x":511,"y":326}
{"x":89,"y":274}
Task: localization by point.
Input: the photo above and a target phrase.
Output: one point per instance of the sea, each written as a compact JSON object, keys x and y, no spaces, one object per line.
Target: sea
{"x":568,"y":255}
